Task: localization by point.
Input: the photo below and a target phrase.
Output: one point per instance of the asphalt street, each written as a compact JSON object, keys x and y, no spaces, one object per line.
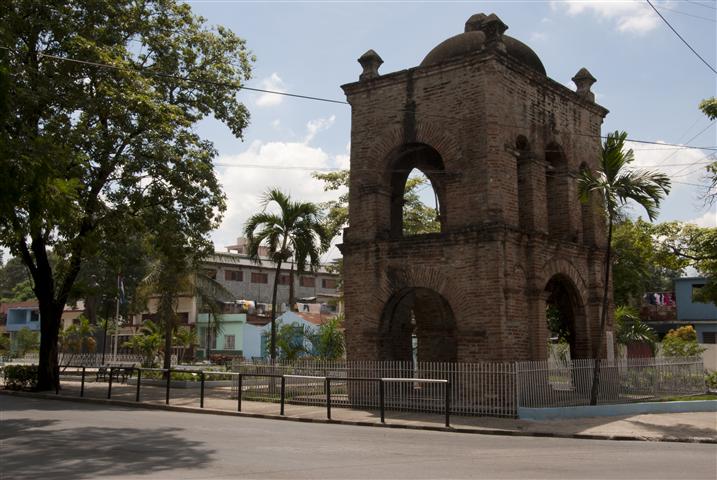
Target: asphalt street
{"x":57,"y":440}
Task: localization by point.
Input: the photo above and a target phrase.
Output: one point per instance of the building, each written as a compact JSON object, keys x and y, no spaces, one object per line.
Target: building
{"x":250,"y":285}
{"x":702,"y":316}
{"x":249,"y":280}
{"x":502,"y":145}
{"x":15,"y":316}
{"x":239,"y":337}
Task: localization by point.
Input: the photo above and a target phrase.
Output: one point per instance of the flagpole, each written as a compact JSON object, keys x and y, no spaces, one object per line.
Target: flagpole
{"x":116,"y":330}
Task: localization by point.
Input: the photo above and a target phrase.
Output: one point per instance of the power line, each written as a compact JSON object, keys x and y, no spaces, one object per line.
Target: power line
{"x":680,"y":37}
{"x":701,"y":4}
{"x":688,"y":14}
{"x":688,"y":141}
{"x":315,"y":98}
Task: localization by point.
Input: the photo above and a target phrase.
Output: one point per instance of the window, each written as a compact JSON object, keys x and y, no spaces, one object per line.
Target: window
{"x":34,"y":316}
{"x":709,"y":337}
{"x":284,"y":279}
{"x":229,"y":342}
{"x":257,"y":277}
{"x":696,"y":291}
{"x":329,"y":283}
{"x":233,"y":275}
{"x":210,"y":272}
{"x":307,"y":282}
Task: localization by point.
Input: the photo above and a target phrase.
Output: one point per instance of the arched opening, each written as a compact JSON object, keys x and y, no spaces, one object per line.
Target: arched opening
{"x":564,"y":317}
{"x":418,"y":325}
{"x":556,"y":191}
{"x":417,"y":191}
{"x":420,"y":206}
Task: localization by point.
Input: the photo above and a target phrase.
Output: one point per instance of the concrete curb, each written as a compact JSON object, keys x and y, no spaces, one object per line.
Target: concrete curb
{"x":468,"y":430}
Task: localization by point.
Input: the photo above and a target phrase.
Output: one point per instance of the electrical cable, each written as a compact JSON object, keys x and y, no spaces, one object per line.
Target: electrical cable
{"x":680,"y":37}
{"x":321,"y":99}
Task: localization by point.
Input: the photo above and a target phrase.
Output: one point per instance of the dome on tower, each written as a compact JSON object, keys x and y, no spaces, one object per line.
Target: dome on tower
{"x":473,"y":40}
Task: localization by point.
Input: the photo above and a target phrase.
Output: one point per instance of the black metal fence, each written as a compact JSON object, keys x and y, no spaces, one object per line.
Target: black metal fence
{"x":275,"y":387}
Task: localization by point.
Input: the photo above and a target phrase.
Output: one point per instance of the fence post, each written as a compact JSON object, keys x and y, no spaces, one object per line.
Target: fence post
{"x":139,"y":382}
{"x":517,"y":387}
{"x":448,"y":404}
{"x":169,"y":380}
{"x":82,"y":384}
{"x":283,"y":391}
{"x":327,"y":383}
{"x":381,"y":395}
{"x":201,"y":390}
{"x":239,"y":392}
{"x":109,"y":385}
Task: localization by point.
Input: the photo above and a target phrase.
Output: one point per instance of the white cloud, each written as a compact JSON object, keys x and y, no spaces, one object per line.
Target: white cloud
{"x":315,"y":126}
{"x":274,"y":83}
{"x":275,"y":124}
{"x":628,"y":16}
{"x":245,"y":185}
{"x":709,"y":219}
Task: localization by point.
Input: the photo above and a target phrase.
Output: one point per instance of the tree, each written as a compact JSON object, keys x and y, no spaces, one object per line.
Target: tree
{"x":296,"y":231}
{"x":4,"y":344}
{"x":91,"y":147}
{"x":681,"y":342}
{"x":629,"y":329}
{"x":696,"y":246}
{"x":328,"y":339}
{"x":291,"y":341}
{"x":640,"y":264}
{"x":417,"y":217}
{"x":77,"y":338}
{"x":184,"y":338}
{"x":615,"y":183}
{"x":147,"y":343}
{"x":26,"y":341}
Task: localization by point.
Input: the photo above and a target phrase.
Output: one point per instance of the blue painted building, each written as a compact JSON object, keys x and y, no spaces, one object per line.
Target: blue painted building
{"x":703,"y":316}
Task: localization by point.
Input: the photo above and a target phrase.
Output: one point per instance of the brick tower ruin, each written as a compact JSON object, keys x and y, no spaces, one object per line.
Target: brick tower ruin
{"x":502,"y":145}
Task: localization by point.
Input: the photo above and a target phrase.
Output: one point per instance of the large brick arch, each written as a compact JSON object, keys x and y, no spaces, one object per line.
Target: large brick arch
{"x":429,"y":133}
{"x":561,"y":266}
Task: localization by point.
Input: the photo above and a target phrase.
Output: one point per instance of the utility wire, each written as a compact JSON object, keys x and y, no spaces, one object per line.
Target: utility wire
{"x":687,"y":14}
{"x":680,"y":37}
{"x":701,"y":4}
{"x":309,"y":97}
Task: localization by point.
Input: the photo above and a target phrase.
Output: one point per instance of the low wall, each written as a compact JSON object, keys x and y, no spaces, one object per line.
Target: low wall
{"x":557,"y":413}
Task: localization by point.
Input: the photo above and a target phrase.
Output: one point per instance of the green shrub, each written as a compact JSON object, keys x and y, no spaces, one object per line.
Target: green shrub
{"x":20,"y":377}
{"x":711,"y":380}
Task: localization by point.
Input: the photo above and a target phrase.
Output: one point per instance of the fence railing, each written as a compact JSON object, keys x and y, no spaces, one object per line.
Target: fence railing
{"x":87,"y":359}
{"x":475,"y":388}
{"x":113,"y":374}
{"x":555,"y":384}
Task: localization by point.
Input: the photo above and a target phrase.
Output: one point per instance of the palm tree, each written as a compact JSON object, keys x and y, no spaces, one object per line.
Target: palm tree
{"x":614,"y":183}
{"x":296,"y":231}
{"x":629,"y":329}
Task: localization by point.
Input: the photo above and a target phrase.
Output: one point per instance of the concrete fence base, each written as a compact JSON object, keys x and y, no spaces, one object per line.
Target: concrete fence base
{"x":555,"y":413}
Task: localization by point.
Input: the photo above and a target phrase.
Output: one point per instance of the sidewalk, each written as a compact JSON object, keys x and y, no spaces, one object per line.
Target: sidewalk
{"x":680,"y":427}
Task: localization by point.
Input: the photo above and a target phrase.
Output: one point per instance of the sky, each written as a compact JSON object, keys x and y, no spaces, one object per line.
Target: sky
{"x":648,"y":79}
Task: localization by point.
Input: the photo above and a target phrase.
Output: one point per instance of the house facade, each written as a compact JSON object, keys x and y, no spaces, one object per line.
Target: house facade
{"x":703,"y":316}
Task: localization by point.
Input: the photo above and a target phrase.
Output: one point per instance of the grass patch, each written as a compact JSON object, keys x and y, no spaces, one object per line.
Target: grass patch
{"x":687,"y":398}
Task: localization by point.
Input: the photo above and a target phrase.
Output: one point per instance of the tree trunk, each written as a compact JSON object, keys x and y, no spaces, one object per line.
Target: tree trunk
{"x":272,"y":347}
{"x":597,"y":353}
{"x":291,"y":287}
{"x":48,"y":374}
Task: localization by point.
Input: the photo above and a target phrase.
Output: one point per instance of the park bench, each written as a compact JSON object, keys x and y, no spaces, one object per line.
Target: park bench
{"x":119,"y":372}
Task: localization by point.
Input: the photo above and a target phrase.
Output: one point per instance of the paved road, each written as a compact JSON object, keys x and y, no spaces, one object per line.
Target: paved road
{"x":56,"y":439}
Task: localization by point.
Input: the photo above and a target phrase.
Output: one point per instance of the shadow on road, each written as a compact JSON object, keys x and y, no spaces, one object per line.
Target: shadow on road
{"x":34,"y":449}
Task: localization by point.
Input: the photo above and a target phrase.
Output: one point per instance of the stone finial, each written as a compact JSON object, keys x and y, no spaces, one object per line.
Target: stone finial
{"x":370,"y":61}
{"x":475,"y":23}
{"x":493,"y":28}
{"x":584,"y":80}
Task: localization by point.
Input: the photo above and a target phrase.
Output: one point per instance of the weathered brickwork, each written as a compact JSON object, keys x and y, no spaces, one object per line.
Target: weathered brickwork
{"x":503,"y":145}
